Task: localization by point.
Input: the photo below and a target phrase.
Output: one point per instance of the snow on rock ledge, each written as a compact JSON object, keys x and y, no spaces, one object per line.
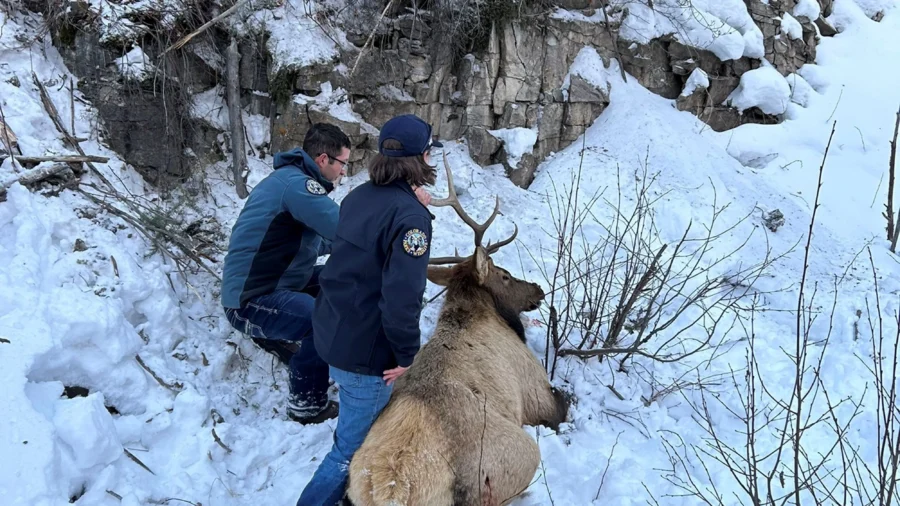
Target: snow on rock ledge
{"x":516,"y":142}
{"x":764,"y":88}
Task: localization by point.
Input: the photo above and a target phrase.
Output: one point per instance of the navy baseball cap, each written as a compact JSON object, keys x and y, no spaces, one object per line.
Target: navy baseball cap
{"x":411,"y":131}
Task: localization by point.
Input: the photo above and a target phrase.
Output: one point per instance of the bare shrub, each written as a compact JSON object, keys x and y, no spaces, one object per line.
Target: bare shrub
{"x":628,"y":293}
{"x":796,"y":445}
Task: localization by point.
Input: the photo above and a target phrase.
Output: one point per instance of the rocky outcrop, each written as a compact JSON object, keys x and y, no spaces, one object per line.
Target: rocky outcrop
{"x":789,"y":42}
{"x":143,"y":99}
{"x":524,"y":82}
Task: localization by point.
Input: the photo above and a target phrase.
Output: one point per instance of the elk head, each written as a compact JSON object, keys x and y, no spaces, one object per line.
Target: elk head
{"x":478,"y":270}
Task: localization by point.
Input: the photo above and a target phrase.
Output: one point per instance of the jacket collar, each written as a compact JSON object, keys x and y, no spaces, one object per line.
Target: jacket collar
{"x":297,"y":158}
{"x":403,"y":185}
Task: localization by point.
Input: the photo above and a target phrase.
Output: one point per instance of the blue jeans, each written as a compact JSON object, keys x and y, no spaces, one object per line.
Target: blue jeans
{"x":362,"y":398}
{"x":281,"y":318}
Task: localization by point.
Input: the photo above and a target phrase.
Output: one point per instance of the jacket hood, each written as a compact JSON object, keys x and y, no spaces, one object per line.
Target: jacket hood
{"x":298,"y":158}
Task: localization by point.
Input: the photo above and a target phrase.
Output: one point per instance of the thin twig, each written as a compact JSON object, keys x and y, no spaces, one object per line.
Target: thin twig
{"x":800,"y":342}
{"x":890,"y":204}
{"x":7,"y":133}
{"x":371,"y":36}
{"x":223,"y":445}
{"x":137,"y":461}
{"x":605,"y":470}
{"x":177,"y":387}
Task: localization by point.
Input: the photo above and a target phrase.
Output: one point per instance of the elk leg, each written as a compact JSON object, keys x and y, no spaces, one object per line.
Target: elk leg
{"x":547,"y":405}
{"x":498,"y":468}
{"x":560,"y":410}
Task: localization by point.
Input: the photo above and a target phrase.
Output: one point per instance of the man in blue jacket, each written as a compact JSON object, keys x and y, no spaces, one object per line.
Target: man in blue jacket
{"x":270,"y":279}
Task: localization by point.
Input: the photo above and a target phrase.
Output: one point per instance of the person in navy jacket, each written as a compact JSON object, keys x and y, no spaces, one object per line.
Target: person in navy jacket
{"x":270,"y":277}
{"x":366,"y":318}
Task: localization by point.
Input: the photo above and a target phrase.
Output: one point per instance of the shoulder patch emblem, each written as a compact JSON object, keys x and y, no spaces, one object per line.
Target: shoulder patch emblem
{"x":313,"y":186}
{"x":415,"y":242}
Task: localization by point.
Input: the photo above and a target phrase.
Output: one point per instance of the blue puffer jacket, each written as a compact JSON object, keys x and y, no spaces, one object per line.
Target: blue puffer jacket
{"x":287,"y":222}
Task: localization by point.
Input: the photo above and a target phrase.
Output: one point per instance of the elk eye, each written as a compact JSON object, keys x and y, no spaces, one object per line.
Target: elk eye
{"x":505,"y":277}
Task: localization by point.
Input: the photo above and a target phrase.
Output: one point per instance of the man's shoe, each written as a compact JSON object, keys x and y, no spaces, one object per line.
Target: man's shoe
{"x":284,"y":350}
{"x":300,"y":414}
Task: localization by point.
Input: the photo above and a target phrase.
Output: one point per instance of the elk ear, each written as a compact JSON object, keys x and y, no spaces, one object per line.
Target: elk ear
{"x":482,"y":265}
{"x":439,"y":275}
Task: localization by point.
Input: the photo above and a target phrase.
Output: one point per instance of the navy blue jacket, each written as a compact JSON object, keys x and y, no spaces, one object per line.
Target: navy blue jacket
{"x":366,"y":317}
{"x":287,"y":222}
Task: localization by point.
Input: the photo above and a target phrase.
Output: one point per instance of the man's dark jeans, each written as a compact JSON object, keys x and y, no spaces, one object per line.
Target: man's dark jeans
{"x":278,"y":320}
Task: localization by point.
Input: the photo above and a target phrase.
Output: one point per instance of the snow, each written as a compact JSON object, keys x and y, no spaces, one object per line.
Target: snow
{"x":871,"y":7}
{"x":697,"y":79}
{"x":295,"y":38}
{"x":135,"y":64}
{"x":854,"y":14}
{"x":791,"y":27}
{"x":809,"y":9}
{"x":516,"y":141}
{"x":117,"y":23}
{"x":721,"y":26}
{"x":84,"y":294}
{"x":589,"y":66}
{"x":764,"y":88}
{"x":801,"y":91}
{"x":392,"y":93}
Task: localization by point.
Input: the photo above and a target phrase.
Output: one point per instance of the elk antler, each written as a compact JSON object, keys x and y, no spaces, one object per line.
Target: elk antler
{"x":452,"y":200}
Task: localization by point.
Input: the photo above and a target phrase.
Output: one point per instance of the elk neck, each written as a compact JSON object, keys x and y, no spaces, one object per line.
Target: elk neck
{"x":468,"y":303}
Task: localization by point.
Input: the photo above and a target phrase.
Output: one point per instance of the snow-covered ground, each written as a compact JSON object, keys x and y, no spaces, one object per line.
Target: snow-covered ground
{"x":83,"y":294}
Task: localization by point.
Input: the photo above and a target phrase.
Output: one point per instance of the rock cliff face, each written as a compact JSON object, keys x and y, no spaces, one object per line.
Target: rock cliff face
{"x":528,"y":79}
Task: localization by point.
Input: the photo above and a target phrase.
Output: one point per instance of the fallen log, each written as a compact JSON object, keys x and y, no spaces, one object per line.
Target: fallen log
{"x":61,"y":159}
{"x":33,"y":176}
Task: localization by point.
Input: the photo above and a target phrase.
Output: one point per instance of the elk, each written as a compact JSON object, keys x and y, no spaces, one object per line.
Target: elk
{"x":452,"y":433}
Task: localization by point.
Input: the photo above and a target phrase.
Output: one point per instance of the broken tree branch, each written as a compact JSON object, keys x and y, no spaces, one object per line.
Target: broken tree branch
{"x":153,"y":233}
{"x":54,"y":116}
{"x":238,"y":155}
{"x":184,"y":40}
{"x":371,"y":36}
